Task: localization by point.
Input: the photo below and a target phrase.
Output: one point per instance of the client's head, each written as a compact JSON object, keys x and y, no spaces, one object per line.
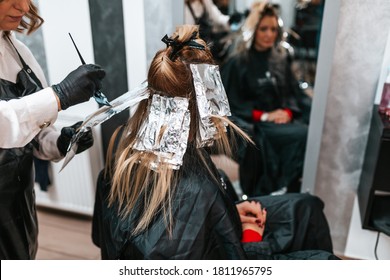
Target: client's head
{"x":186,"y":109}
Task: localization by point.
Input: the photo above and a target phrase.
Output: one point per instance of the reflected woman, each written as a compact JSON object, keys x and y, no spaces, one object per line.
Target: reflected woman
{"x":267,"y":102}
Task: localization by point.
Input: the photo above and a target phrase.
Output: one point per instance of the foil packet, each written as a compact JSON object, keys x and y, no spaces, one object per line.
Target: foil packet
{"x":165,"y":131}
{"x":211,"y":99}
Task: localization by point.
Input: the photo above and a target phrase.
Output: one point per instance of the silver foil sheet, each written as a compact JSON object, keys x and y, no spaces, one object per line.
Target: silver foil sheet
{"x":104,"y":113}
{"x":165,"y":131}
{"x":211,"y":100}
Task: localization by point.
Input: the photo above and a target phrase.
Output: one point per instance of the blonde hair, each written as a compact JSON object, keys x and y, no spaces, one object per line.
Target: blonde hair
{"x":132,"y":179}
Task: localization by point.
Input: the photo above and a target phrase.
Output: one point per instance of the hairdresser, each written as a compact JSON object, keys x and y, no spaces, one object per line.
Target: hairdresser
{"x":28,"y":107}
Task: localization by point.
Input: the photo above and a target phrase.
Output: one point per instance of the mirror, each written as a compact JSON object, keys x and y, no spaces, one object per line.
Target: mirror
{"x":301,"y":21}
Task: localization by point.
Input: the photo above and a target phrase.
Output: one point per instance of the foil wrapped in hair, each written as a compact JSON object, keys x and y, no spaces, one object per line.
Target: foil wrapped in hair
{"x":165,"y":131}
{"x":211,"y":100}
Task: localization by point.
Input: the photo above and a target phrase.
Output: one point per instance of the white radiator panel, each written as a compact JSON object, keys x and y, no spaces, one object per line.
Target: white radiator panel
{"x":73,"y":189}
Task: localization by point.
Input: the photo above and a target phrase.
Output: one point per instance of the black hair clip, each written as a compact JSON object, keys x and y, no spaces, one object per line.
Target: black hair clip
{"x":168,"y":41}
{"x":176,"y":46}
{"x":191,"y":43}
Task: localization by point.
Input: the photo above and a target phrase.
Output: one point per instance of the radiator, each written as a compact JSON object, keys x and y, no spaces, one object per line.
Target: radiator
{"x":73,"y":189}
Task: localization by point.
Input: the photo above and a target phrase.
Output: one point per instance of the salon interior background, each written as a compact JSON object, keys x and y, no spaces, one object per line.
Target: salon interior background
{"x":122,"y":36}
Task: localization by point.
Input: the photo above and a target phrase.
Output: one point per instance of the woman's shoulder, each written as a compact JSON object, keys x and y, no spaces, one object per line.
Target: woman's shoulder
{"x":281,"y":54}
{"x":199,"y":174}
{"x":236,"y":61}
{"x":238,"y":57}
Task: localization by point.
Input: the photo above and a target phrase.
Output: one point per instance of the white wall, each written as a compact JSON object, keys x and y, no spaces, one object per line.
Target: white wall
{"x":61,"y":56}
{"x":133,"y":16}
{"x":384,"y":71}
{"x":74,"y":188}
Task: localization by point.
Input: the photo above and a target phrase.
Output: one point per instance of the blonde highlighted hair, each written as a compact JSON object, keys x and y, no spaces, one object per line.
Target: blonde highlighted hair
{"x":133,"y":181}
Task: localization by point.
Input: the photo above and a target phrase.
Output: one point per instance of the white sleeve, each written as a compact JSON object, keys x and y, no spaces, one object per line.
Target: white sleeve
{"x":216,"y":16}
{"x":47,"y":141}
{"x":22,"y":119}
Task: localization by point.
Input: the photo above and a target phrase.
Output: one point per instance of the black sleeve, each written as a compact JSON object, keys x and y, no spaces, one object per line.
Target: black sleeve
{"x":257,"y":250}
{"x":97,"y":212}
{"x":299,"y":102}
{"x":295,"y":222}
{"x":232,"y":74}
{"x":228,"y":227}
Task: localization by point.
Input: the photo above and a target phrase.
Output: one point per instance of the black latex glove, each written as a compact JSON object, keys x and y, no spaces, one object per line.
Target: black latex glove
{"x":85,"y":142}
{"x":235,"y":18}
{"x":79,"y":85}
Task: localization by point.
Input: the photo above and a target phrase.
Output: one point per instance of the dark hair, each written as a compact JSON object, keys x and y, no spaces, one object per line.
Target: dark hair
{"x":30,"y":22}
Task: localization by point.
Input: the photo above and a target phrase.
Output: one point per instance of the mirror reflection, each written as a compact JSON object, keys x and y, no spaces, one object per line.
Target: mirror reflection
{"x":267,"y":52}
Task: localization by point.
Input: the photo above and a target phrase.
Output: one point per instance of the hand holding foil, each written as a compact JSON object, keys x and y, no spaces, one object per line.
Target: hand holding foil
{"x":119,"y":104}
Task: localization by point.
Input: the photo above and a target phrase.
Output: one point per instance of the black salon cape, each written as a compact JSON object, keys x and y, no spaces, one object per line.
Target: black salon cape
{"x":264,"y":81}
{"x":248,"y":88}
{"x":207,"y":225}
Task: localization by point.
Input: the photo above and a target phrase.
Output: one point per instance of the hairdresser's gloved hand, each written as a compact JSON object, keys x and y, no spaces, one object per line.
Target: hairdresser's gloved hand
{"x":79,"y":85}
{"x":85,"y":142}
{"x":235,"y":18}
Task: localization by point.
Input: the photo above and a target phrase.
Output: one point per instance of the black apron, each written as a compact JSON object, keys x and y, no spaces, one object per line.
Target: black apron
{"x":18,"y":218}
{"x":217,"y":40}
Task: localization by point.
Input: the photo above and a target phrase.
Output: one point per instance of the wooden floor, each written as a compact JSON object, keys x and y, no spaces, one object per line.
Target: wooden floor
{"x":64,"y":236}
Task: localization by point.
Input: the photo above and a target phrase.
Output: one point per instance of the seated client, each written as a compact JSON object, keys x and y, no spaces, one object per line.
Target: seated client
{"x":161,"y":196}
